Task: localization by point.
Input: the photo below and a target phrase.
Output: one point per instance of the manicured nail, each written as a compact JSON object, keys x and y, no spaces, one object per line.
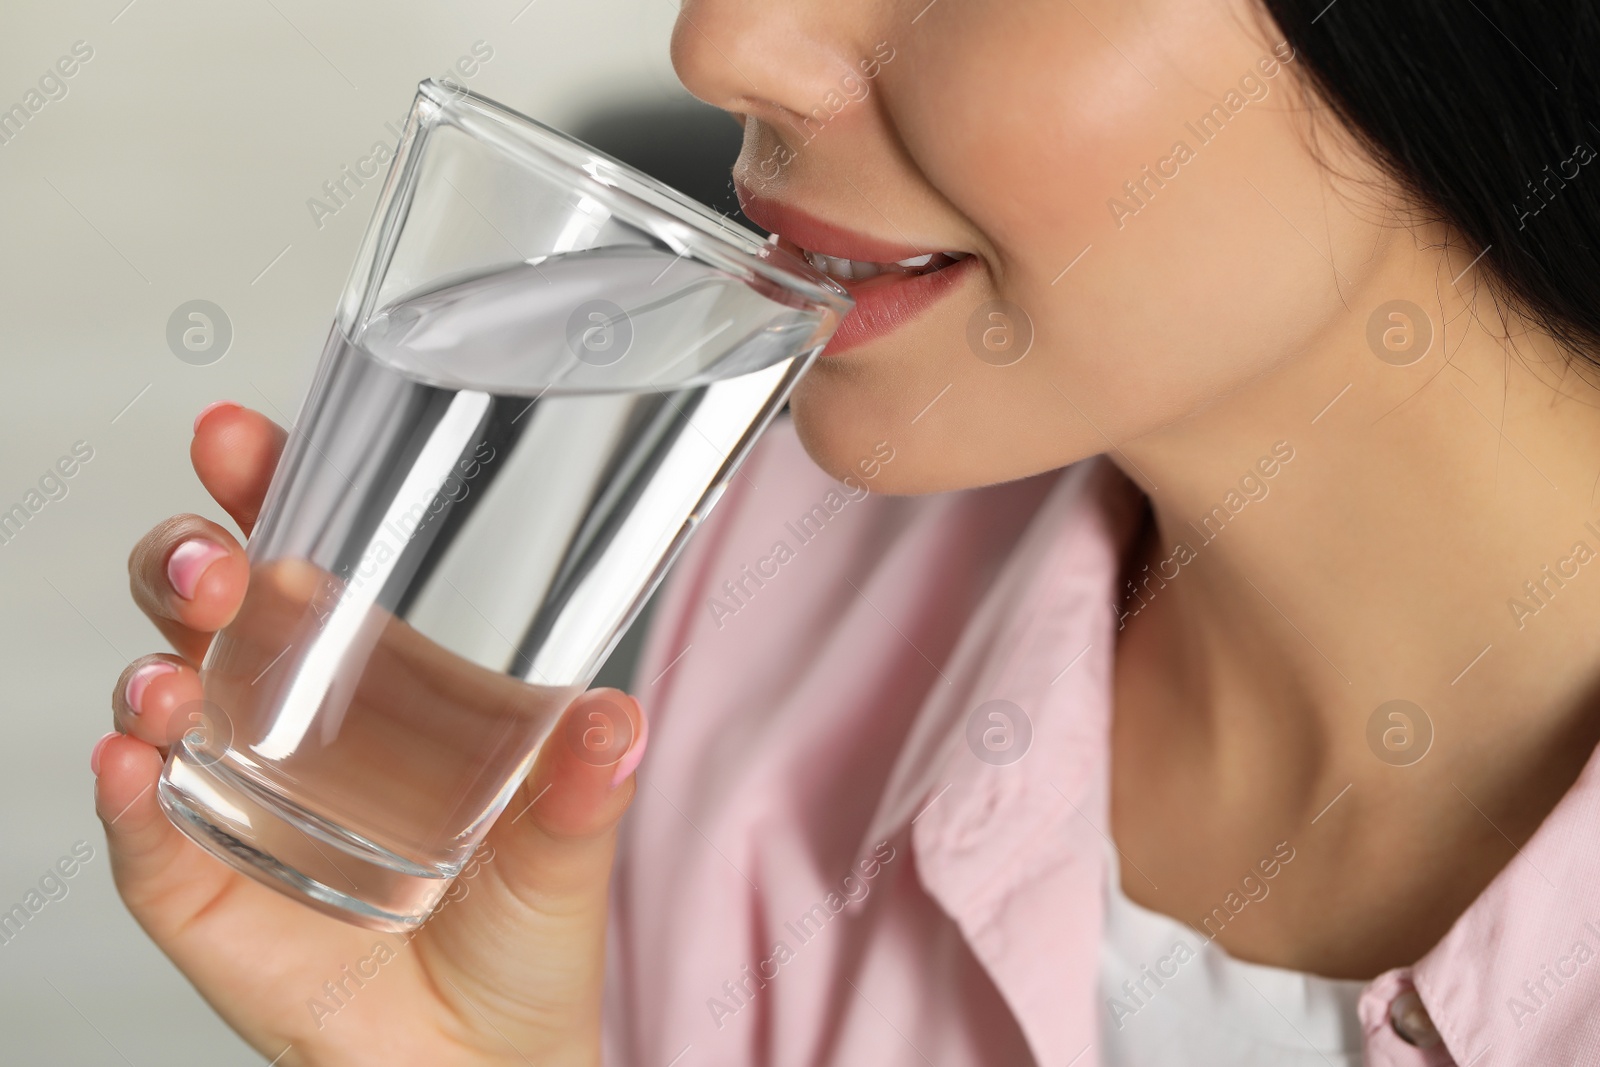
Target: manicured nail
{"x":630,"y":759}
{"x":189,"y":561}
{"x":94,"y":755}
{"x":208,"y":409}
{"x":140,"y":680}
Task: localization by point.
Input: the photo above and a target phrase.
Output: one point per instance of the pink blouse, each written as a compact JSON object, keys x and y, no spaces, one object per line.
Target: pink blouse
{"x":871,"y":827}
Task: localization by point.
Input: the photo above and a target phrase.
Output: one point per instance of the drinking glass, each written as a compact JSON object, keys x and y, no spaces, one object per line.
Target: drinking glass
{"x":542,"y":373}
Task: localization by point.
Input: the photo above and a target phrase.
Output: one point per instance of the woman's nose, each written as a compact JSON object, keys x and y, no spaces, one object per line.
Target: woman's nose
{"x":774,"y":59}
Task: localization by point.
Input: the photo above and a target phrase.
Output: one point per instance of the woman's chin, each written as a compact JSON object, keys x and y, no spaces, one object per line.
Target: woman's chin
{"x":853,"y":442}
{"x":848,"y":437}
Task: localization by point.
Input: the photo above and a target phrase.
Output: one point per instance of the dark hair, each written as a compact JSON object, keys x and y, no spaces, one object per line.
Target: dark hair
{"x":1489,"y":114}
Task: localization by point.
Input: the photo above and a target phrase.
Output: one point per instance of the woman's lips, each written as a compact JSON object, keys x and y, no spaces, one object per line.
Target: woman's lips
{"x":889,"y":301}
{"x":885,"y":301}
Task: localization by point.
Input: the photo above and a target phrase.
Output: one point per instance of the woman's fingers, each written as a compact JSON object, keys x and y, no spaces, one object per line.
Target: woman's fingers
{"x":544,"y":873}
{"x":252,"y":952}
{"x":552,"y":848}
{"x":235,"y":451}
{"x":189,"y":576}
{"x":164,"y":879}
{"x":157,"y":699}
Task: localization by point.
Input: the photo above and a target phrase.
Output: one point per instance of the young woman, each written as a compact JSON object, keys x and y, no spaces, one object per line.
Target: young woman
{"x":1180,"y":648}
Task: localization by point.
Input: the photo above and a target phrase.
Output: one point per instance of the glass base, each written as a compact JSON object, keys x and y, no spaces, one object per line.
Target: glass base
{"x":283,"y":846}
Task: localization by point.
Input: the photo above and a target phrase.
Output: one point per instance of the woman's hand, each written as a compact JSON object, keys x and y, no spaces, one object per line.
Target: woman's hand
{"x":509,"y":969}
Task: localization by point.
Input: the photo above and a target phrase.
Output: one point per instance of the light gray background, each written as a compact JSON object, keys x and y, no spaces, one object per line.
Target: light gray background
{"x":178,"y":168}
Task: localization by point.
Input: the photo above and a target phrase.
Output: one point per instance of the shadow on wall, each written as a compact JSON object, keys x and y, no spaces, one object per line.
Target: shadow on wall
{"x":691,"y":146}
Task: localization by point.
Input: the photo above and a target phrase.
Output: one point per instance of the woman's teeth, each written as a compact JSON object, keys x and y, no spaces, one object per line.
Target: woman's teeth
{"x":855,"y":270}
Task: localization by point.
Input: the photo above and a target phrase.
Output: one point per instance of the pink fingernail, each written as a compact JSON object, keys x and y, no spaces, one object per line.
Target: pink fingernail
{"x":208,"y":409}
{"x":188,"y":562}
{"x":140,"y":680}
{"x":94,"y":754}
{"x":630,"y":759}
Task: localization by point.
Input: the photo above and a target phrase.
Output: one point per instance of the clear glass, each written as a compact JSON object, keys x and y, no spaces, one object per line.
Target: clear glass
{"x":541,"y":375}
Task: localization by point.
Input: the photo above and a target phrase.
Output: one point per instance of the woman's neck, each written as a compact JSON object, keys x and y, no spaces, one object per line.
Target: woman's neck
{"x":1350,"y":532}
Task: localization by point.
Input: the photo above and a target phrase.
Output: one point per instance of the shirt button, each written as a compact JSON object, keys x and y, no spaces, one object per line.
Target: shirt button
{"x":1410,"y":1020}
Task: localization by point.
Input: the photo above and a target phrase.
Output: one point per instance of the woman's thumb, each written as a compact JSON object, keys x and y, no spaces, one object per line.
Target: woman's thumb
{"x":554,"y":838}
{"x":544,"y":870}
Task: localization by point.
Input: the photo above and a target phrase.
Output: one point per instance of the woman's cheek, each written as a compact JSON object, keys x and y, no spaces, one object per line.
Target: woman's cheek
{"x":1027,"y":120}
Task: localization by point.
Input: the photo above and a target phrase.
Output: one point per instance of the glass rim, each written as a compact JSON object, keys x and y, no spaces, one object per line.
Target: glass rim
{"x":687,"y":226}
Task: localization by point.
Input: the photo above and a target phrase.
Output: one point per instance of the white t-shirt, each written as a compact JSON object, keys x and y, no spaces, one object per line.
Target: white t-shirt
{"x":1173,"y":998}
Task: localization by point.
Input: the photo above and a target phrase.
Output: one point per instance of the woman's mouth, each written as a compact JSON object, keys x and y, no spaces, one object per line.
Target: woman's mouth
{"x":891,"y":283}
{"x":844,"y":270}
